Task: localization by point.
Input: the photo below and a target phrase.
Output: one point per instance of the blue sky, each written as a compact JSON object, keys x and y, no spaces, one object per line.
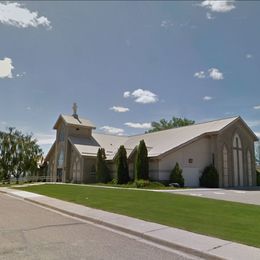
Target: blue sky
{"x":127,"y":64}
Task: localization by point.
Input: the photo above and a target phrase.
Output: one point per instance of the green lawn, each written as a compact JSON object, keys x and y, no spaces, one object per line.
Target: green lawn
{"x":227,"y":220}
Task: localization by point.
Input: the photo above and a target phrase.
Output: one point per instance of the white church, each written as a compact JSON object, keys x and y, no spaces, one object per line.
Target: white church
{"x":226,"y":143}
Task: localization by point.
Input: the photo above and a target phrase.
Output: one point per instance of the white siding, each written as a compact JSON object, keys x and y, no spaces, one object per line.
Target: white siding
{"x":192,"y":158}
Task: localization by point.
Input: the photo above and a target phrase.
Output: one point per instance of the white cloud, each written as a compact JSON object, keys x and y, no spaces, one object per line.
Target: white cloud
{"x":249,"y":56}
{"x":200,"y":75}
{"x":144,"y":96}
{"x":127,"y":94}
{"x":19,"y":75}
{"x":139,"y":125}
{"x":207,"y":98}
{"x":17,"y":15}
{"x":28,"y":108}
{"x":215,"y":74}
{"x":112,"y":130}
{"x":6,"y":68}
{"x":209,"y":16}
{"x":257,"y":107}
{"x":119,"y":109}
{"x":253,"y":123}
{"x":166,"y":24}
{"x":44,"y":139}
{"x":221,"y":6}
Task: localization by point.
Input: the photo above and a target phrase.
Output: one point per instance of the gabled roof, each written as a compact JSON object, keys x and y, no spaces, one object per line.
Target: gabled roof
{"x":167,"y":140}
{"x":75,"y":121}
{"x":158,"y":143}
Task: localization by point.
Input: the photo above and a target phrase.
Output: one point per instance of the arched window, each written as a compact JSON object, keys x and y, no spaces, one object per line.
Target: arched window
{"x":61,"y":159}
{"x":238,"y":161}
{"x":249,"y":168}
{"x":76,"y":170}
{"x":225,"y":166}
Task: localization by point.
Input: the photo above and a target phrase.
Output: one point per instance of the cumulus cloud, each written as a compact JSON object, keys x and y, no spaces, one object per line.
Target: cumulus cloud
{"x":257,"y":107}
{"x":127,"y":94}
{"x":112,"y":130}
{"x":139,"y":125}
{"x":43,"y":139}
{"x":200,"y":75}
{"x":142,"y":96}
{"x":119,"y":109}
{"x":207,"y":98}
{"x":6,"y":68}
{"x":221,"y":6}
{"x":249,"y":56}
{"x":215,"y":74}
{"x":17,"y":15}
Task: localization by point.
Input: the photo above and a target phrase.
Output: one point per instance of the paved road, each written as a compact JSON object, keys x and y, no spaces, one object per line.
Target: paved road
{"x":240,"y":195}
{"x":29,"y":231}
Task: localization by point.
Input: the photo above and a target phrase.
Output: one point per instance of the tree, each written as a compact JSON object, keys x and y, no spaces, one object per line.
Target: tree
{"x":122,"y":166}
{"x":141,"y":162}
{"x":209,"y":177}
{"x":102,"y":171}
{"x":173,"y":123}
{"x":19,"y":154}
{"x":176,"y":175}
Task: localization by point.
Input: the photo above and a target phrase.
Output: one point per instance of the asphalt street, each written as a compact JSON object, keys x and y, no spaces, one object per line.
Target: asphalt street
{"x":28,"y":231}
{"x":249,"y":196}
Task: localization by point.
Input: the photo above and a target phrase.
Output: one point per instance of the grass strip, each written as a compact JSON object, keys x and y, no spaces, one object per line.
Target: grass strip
{"x":226,"y":220}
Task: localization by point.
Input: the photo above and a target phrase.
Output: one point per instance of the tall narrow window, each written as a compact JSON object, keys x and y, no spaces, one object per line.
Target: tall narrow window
{"x":76,"y":170}
{"x":249,"y":168}
{"x":238,"y":161}
{"x":225,"y":166}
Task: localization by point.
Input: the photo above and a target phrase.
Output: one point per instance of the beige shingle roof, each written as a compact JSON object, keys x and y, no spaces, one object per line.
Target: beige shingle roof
{"x":158,"y":143}
{"x":71,"y":120}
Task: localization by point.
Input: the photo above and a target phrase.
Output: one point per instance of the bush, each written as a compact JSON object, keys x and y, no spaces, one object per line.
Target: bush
{"x":176,"y":175}
{"x":209,"y":177}
{"x":257,"y":178}
{"x":141,"y":183}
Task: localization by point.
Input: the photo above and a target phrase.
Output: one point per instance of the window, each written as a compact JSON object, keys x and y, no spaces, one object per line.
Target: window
{"x":225,"y":166}
{"x":238,"y":161}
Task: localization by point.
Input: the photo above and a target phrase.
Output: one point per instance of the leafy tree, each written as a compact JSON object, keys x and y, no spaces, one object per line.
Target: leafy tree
{"x":173,"y":123}
{"x":122,"y":166}
{"x":19,"y":154}
{"x":176,"y":175}
{"x":141,"y":162}
{"x":102,"y":171}
{"x":209,"y":177}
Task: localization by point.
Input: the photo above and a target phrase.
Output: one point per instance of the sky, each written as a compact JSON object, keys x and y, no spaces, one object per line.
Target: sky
{"x":127,"y":64}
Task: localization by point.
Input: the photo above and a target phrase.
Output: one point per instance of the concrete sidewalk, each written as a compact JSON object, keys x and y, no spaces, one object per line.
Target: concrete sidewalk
{"x":188,"y":242}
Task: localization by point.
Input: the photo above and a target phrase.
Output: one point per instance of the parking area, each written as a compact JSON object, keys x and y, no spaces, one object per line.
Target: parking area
{"x":249,"y":196}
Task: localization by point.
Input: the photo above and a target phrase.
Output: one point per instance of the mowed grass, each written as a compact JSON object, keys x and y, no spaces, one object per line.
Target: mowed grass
{"x":227,"y":220}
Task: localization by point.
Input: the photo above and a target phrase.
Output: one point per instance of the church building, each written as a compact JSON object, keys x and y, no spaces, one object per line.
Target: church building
{"x":226,"y":143}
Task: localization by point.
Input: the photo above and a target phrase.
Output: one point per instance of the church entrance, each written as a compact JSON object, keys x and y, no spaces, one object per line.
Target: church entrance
{"x":59,"y":175}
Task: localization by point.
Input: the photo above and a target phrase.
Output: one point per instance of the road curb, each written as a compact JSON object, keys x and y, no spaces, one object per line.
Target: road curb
{"x":145,"y":236}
